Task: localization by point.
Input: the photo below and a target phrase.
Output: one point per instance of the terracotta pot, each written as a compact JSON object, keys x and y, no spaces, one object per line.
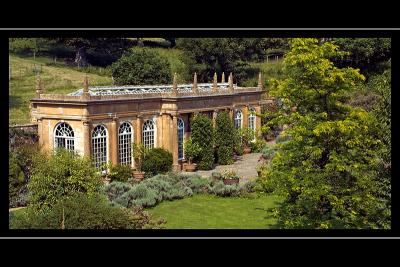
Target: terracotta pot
{"x":138,"y":175}
{"x":246,"y":150}
{"x":190,"y":167}
{"x":231,"y":181}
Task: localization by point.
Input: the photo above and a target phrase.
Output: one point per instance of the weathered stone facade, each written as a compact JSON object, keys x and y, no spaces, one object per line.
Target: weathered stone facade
{"x":164,"y":105}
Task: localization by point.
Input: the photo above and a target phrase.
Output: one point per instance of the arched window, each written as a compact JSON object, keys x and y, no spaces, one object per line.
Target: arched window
{"x":64,"y":136}
{"x":125,"y":143}
{"x":99,"y":146}
{"x":238,"y":119}
{"x":148,"y":134}
{"x":252,"y":119}
{"x":181,"y":132}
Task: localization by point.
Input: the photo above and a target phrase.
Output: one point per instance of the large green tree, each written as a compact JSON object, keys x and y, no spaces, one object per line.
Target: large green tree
{"x":328,"y":169}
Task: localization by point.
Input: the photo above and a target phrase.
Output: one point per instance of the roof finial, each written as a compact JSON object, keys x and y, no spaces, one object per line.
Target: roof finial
{"x":175,"y":85}
{"x":223,"y":78}
{"x":230,"y":81}
{"x":260,"y":81}
{"x":86,"y":84}
{"x":195,"y":89}
{"x":215,"y":86}
{"x":39,"y":86}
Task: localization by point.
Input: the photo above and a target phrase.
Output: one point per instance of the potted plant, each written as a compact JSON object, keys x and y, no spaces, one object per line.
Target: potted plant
{"x":230,"y":177}
{"x":192,"y":150}
{"x":138,"y":151}
{"x":247,"y":135}
{"x":105,"y":172}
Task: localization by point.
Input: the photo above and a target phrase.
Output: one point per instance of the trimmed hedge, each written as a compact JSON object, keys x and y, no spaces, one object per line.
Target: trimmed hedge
{"x":157,"y":160}
{"x":202,"y":133}
{"x":224,"y":138}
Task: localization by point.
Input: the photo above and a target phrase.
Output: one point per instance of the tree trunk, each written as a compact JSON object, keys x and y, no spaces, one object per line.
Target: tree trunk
{"x":80,"y":58}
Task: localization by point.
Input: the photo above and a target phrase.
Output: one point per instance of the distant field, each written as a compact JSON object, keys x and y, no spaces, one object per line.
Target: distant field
{"x":59,"y":78}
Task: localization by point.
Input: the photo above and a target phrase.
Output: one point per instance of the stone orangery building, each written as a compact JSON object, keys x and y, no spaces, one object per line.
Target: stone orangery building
{"x":102,"y":122}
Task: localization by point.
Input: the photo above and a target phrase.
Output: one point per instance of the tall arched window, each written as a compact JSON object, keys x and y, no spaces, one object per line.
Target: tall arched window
{"x":64,"y":136}
{"x":148,"y":134}
{"x":99,"y":145}
{"x":181,"y":133}
{"x":252,"y":118}
{"x":238,"y":119}
{"x":125,"y":143}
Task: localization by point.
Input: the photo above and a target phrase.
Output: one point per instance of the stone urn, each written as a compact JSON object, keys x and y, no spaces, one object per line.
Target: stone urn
{"x":231,"y":181}
{"x":138,"y":175}
{"x":246,"y":150}
{"x":190,"y":167}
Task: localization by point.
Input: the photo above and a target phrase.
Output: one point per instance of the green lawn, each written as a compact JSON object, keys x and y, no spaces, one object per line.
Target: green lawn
{"x":56,"y":79}
{"x":205,"y":211}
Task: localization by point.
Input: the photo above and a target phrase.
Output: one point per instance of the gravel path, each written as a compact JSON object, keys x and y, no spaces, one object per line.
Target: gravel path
{"x":245,"y":167}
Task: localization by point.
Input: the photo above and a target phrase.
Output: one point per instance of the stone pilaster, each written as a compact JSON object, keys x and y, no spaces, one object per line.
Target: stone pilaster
{"x":87,"y":140}
{"x":245,"y":111}
{"x":139,"y":125}
{"x":113,"y":147}
{"x":258,"y":121}
{"x":175,"y":163}
{"x":40,"y":131}
{"x":214,"y":117}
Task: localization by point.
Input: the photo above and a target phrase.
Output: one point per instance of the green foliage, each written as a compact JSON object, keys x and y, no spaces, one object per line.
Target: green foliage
{"x":208,"y":55}
{"x":202,"y":133}
{"x":138,"y":152}
{"x":258,"y":145}
{"x":224,"y":138}
{"x":365,"y":53}
{"x":141,"y":67}
{"x":82,"y":212}
{"x":222,"y":190}
{"x":157,"y":160}
{"x":61,"y":174}
{"x":247,"y":135}
{"x":268,"y":152}
{"x":192,"y":149}
{"x":237,"y":142}
{"x":16,"y":176}
{"x":120,"y":173}
{"x":328,"y":169}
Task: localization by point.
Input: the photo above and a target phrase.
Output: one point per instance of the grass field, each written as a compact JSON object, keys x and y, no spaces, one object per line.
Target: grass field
{"x":56,"y":79}
{"x":205,"y":211}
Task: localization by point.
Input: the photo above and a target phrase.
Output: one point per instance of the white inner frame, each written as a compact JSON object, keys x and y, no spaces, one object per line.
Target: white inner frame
{"x":252,"y":121}
{"x":181,"y":138}
{"x":64,"y":136}
{"x":99,"y":145}
{"x":238,"y":119}
{"x":149,"y":134}
{"x":125,"y":137}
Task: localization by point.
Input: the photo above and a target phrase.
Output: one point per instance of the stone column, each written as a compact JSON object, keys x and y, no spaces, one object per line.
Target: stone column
{"x":214,"y":117}
{"x":40,"y":131}
{"x":86,"y":139}
{"x":258,"y":121}
{"x":232,"y":113}
{"x":113,"y":147}
{"x":139,"y":125}
{"x":245,"y":111}
{"x":175,"y":163}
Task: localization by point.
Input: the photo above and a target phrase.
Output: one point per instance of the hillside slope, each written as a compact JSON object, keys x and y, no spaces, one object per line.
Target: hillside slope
{"x":56,"y":79}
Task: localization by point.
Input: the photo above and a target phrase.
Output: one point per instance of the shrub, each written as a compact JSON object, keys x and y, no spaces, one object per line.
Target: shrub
{"x":224,"y":138}
{"x":16,"y":176}
{"x":116,"y":189}
{"x":238,"y":146}
{"x":258,"y":145}
{"x":120,"y":173}
{"x":157,"y":160}
{"x":247,"y":135}
{"x":202,"y":133}
{"x":197,"y":184}
{"x":141,"y":66}
{"x":81,"y":212}
{"x":268,"y":152}
{"x":138,"y":195}
{"x":61,"y":174}
{"x":192,"y":150}
{"x":222,"y":190}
